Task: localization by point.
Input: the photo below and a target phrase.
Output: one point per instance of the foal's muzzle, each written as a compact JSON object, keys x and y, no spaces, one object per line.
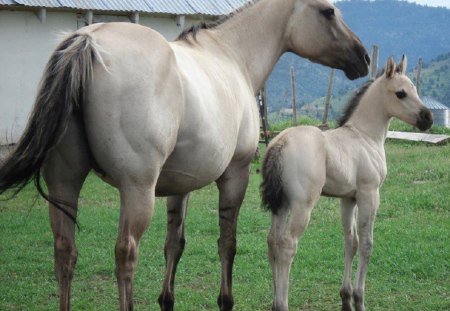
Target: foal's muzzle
{"x":424,"y":120}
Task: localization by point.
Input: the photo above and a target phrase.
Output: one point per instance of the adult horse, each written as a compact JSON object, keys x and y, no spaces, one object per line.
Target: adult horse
{"x":349,"y":163}
{"x":154,"y":118}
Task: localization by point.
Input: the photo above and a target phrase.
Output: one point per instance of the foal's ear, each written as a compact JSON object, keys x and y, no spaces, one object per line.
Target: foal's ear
{"x":390,"y":68}
{"x":401,"y":67}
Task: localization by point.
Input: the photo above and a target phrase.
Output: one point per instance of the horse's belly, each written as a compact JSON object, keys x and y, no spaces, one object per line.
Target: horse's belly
{"x":191,"y":167}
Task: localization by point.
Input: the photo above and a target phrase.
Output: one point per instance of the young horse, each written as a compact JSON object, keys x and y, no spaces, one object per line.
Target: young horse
{"x":349,"y":162}
{"x":154,"y":118}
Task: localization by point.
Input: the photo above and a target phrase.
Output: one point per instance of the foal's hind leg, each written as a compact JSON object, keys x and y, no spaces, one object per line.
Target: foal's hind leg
{"x":174,"y":246}
{"x":348,"y":209}
{"x":64,"y":172}
{"x":232,"y":186}
{"x":287,"y":226}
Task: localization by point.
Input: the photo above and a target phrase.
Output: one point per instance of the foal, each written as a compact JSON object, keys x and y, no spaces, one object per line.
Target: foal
{"x":349,"y":162}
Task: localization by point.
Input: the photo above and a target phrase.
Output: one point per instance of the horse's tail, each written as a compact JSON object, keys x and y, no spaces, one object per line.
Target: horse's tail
{"x":272,"y":186}
{"x":60,"y":95}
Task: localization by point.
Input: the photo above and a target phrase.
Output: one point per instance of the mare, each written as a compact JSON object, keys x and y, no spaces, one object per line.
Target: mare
{"x":158,"y":118}
{"x":348,"y":162}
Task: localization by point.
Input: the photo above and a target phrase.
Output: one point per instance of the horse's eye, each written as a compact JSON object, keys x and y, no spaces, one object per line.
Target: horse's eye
{"x":400,"y":94}
{"x":328,"y":13}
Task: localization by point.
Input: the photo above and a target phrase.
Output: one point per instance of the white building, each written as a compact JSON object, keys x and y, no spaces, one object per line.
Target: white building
{"x":29,"y":32}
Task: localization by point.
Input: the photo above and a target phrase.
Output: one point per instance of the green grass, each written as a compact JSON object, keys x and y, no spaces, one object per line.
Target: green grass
{"x":409,"y":270}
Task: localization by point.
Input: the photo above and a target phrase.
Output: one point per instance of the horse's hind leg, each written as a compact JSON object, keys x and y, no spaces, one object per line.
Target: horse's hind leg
{"x":137,"y":202}
{"x":232,"y":186}
{"x":174,"y":246}
{"x":64,"y":172}
{"x":348,"y":209}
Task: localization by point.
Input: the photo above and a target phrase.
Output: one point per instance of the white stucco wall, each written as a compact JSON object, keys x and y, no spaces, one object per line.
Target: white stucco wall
{"x":25,"y":46}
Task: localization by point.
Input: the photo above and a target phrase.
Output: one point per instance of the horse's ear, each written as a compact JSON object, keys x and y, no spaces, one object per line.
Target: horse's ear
{"x":390,"y":68}
{"x":401,"y":67}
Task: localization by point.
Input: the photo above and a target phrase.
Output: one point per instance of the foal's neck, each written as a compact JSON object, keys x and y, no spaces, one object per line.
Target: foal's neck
{"x":370,"y":117}
{"x":256,"y":36}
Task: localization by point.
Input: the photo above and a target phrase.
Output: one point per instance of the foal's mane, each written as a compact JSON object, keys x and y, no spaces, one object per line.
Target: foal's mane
{"x":356,"y":99}
{"x":193,"y":30}
{"x":353,"y":103}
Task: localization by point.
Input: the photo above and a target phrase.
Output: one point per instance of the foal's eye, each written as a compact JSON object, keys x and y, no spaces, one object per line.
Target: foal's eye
{"x":400,"y":94}
{"x":328,"y":13}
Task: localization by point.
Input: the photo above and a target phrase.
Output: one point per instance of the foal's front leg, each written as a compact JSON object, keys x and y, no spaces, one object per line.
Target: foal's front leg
{"x":368,"y":202}
{"x":174,"y":246}
{"x":348,"y":210}
{"x":232,"y":186}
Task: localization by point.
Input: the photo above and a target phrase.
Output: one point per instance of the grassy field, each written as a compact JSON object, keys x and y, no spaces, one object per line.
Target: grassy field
{"x":409,"y":270}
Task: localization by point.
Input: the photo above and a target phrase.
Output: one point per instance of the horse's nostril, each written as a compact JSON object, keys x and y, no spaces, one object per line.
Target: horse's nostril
{"x":367,"y":58}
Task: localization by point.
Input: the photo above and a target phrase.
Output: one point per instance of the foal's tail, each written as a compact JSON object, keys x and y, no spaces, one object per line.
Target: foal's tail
{"x":60,"y":95}
{"x":272,"y":187}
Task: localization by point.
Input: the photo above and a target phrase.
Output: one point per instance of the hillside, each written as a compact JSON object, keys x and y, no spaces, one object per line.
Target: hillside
{"x":434,"y":82}
{"x":396,"y":27}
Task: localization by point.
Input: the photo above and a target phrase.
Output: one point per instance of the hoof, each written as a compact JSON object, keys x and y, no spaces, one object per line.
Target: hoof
{"x":346,"y":296}
{"x":359,"y":302}
{"x":166,"y":302}
{"x":225,"y":303}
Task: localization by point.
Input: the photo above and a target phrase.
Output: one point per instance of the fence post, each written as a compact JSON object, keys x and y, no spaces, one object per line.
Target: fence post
{"x":419,"y":69}
{"x":374,"y":62}
{"x":294,"y":106}
{"x":263,"y":113}
{"x":328,"y":97}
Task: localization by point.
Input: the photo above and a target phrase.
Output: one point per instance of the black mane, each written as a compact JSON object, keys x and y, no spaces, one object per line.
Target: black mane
{"x":353,"y":103}
{"x":193,"y":30}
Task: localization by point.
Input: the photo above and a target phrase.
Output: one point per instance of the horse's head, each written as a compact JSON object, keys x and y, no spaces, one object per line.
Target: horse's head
{"x":316,"y":31}
{"x":402,"y":100}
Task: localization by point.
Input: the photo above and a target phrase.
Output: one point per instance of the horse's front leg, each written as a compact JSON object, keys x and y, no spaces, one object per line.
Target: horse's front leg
{"x":348,"y":210}
{"x":232,"y":186}
{"x":367,"y":201}
{"x":173,"y":248}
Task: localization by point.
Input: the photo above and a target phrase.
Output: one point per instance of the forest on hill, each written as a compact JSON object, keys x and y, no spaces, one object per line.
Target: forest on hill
{"x":396,"y":27}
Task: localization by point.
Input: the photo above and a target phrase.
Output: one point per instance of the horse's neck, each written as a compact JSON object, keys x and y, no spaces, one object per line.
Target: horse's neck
{"x":370,"y":118}
{"x":256,"y":36}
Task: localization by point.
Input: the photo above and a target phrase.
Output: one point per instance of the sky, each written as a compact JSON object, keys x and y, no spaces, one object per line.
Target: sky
{"x":444,"y":3}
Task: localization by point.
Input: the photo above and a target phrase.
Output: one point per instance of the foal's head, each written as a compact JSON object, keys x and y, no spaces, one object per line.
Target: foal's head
{"x":401,"y":98}
{"x":316,"y":31}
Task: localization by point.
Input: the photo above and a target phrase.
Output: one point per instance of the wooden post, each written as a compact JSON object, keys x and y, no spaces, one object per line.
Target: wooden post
{"x":263,"y":113}
{"x":294,"y":106}
{"x":374,"y":62}
{"x":419,"y":69}
{"x":327,"y":98}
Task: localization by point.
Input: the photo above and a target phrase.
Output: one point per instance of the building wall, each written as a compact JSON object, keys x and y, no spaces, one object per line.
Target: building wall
{"x":25,"y":46}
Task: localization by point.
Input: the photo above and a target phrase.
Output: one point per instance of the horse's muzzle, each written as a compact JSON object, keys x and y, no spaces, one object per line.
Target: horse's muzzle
{"x":360,"y":67}
{"x":424,"y":120}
